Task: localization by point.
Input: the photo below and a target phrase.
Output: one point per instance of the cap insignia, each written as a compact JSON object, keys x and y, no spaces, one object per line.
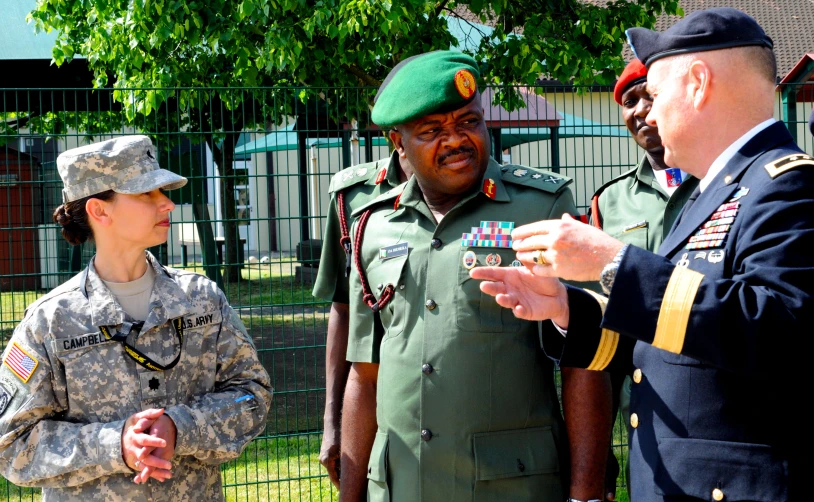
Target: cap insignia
{"x":465,"y":84}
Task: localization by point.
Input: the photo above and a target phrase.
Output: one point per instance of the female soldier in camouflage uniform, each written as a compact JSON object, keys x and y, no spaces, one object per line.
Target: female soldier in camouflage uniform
{"x":129,"y":367}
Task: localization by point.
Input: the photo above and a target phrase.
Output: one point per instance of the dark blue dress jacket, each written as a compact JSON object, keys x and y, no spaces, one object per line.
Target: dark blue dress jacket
{"x":714,"y":326}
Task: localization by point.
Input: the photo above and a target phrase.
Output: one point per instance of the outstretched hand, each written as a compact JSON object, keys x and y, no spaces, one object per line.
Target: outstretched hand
{"x":564,"y":248}
{"x":530,"y":297}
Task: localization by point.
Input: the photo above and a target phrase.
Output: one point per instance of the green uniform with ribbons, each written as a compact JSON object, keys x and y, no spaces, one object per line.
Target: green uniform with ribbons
{"x":467,"y":408}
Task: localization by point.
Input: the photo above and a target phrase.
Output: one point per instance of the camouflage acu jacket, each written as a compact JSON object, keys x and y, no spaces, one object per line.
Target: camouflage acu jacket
{"x":66,"y":390}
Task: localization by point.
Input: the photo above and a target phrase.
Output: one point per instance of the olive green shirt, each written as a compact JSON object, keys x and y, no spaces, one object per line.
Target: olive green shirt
{"x":467,"y":408}
{"x":635,"y":209}
{"x":358,"y":183}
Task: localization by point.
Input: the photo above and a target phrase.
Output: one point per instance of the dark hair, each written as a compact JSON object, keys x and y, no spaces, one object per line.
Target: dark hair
{"x":74,"y":219}
{"x":764,"y":61}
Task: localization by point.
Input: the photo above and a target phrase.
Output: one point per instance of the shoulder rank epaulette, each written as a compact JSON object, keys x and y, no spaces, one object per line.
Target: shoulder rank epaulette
{"x":357,"y":174}
{"x":610,"y":182}
{"x":546,"y":181}
{"x":787,"y":163}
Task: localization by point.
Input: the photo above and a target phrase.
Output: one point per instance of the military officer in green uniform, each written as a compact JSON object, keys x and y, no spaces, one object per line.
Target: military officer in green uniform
{"x":639,"y":206}
{"x":350,"y":188}
{"x":453,"y":398}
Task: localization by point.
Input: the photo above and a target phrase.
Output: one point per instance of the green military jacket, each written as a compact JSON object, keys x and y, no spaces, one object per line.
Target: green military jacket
{"x":635,"y":209}
{"x":360,"y":184}
{"x":467,"y":408}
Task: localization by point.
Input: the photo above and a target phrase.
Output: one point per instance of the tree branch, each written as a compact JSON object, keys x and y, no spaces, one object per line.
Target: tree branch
{"x":363,"y":77}
{"x":440,"y":7}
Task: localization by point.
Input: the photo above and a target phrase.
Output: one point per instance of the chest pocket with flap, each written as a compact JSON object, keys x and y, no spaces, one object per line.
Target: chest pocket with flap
{"x":474,"y":309}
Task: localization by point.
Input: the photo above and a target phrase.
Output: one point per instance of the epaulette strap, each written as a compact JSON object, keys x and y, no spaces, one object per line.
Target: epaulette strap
{"x":546,"y":181}
{"x":787,"y":163}
{"x":355,"y":175}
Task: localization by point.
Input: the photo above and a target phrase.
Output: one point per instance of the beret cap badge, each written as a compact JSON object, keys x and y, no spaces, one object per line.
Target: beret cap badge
{"x":465,"y":84}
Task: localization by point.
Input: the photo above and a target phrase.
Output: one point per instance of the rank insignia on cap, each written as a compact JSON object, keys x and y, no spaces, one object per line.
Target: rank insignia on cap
{"x":465,"y":84}
{"x":470,"y":260}
{"x":20,"y":362}
{"x":381,"y":176}
{"x":489,"y":188}
{"x":493,"y":260}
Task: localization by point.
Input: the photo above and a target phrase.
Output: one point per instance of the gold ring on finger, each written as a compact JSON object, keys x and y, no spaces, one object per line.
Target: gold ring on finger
{"x":540,"y":258}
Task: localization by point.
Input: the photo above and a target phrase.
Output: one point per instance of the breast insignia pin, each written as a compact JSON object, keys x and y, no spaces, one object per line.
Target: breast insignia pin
{"x":470,"y":260}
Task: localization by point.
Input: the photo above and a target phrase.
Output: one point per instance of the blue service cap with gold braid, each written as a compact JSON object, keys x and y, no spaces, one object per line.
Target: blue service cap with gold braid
{"x":433,"y":82}
{"x":703,"y":30}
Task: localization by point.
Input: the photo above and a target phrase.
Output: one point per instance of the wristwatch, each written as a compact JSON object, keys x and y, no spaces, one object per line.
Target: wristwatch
{"x":608,"y":274}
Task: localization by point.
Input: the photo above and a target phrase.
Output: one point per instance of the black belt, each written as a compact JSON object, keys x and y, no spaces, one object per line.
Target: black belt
{"x":131,"y":329}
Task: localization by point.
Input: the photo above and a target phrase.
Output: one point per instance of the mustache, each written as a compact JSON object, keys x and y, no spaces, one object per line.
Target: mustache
{"x":464,"y":149}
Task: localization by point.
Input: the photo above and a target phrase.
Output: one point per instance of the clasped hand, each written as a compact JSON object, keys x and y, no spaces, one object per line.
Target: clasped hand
{"x":148,"y":444}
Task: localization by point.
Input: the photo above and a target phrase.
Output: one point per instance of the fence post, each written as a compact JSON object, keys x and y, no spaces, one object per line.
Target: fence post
{"x":789,"y":99}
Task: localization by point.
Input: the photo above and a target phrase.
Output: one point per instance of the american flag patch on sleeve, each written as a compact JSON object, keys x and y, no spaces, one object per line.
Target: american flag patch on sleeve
{"x":20,"y":362}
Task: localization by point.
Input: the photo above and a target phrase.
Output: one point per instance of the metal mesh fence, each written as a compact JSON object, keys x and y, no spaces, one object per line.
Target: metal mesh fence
{"x":259,"y":163}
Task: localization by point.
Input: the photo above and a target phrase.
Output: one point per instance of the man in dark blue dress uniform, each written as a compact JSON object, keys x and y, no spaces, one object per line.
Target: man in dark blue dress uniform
{"x":722,"y":310}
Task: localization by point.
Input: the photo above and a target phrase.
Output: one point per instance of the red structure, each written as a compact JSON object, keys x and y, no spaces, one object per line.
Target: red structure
{"x":18,"y":232}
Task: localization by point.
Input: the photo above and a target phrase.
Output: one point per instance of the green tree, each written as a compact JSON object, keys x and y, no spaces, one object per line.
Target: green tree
{"x":146,"y":49}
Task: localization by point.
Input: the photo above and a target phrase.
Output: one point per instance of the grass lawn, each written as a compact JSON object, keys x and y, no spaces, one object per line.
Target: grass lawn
{"x":288,"y":326}
{"x":269,"y":470}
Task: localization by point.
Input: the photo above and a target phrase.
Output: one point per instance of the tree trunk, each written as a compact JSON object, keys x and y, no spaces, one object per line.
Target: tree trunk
{"x":225,"y":156}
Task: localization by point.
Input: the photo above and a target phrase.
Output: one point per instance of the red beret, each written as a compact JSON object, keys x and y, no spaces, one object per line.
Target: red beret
{"x":634,"y":71}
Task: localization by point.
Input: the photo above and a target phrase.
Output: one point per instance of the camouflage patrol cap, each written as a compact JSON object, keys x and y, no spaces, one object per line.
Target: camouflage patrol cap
{"x":433,"y":82}
{"x":125,"y":165}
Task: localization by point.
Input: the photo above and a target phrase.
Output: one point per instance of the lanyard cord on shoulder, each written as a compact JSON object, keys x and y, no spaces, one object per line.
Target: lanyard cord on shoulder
{"x":137,"y":355}
{"x":367,"y":294}
{"x":344,"y":239}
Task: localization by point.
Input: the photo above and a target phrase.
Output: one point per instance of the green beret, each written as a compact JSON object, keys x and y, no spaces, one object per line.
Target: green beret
{"x":434,"y":82}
